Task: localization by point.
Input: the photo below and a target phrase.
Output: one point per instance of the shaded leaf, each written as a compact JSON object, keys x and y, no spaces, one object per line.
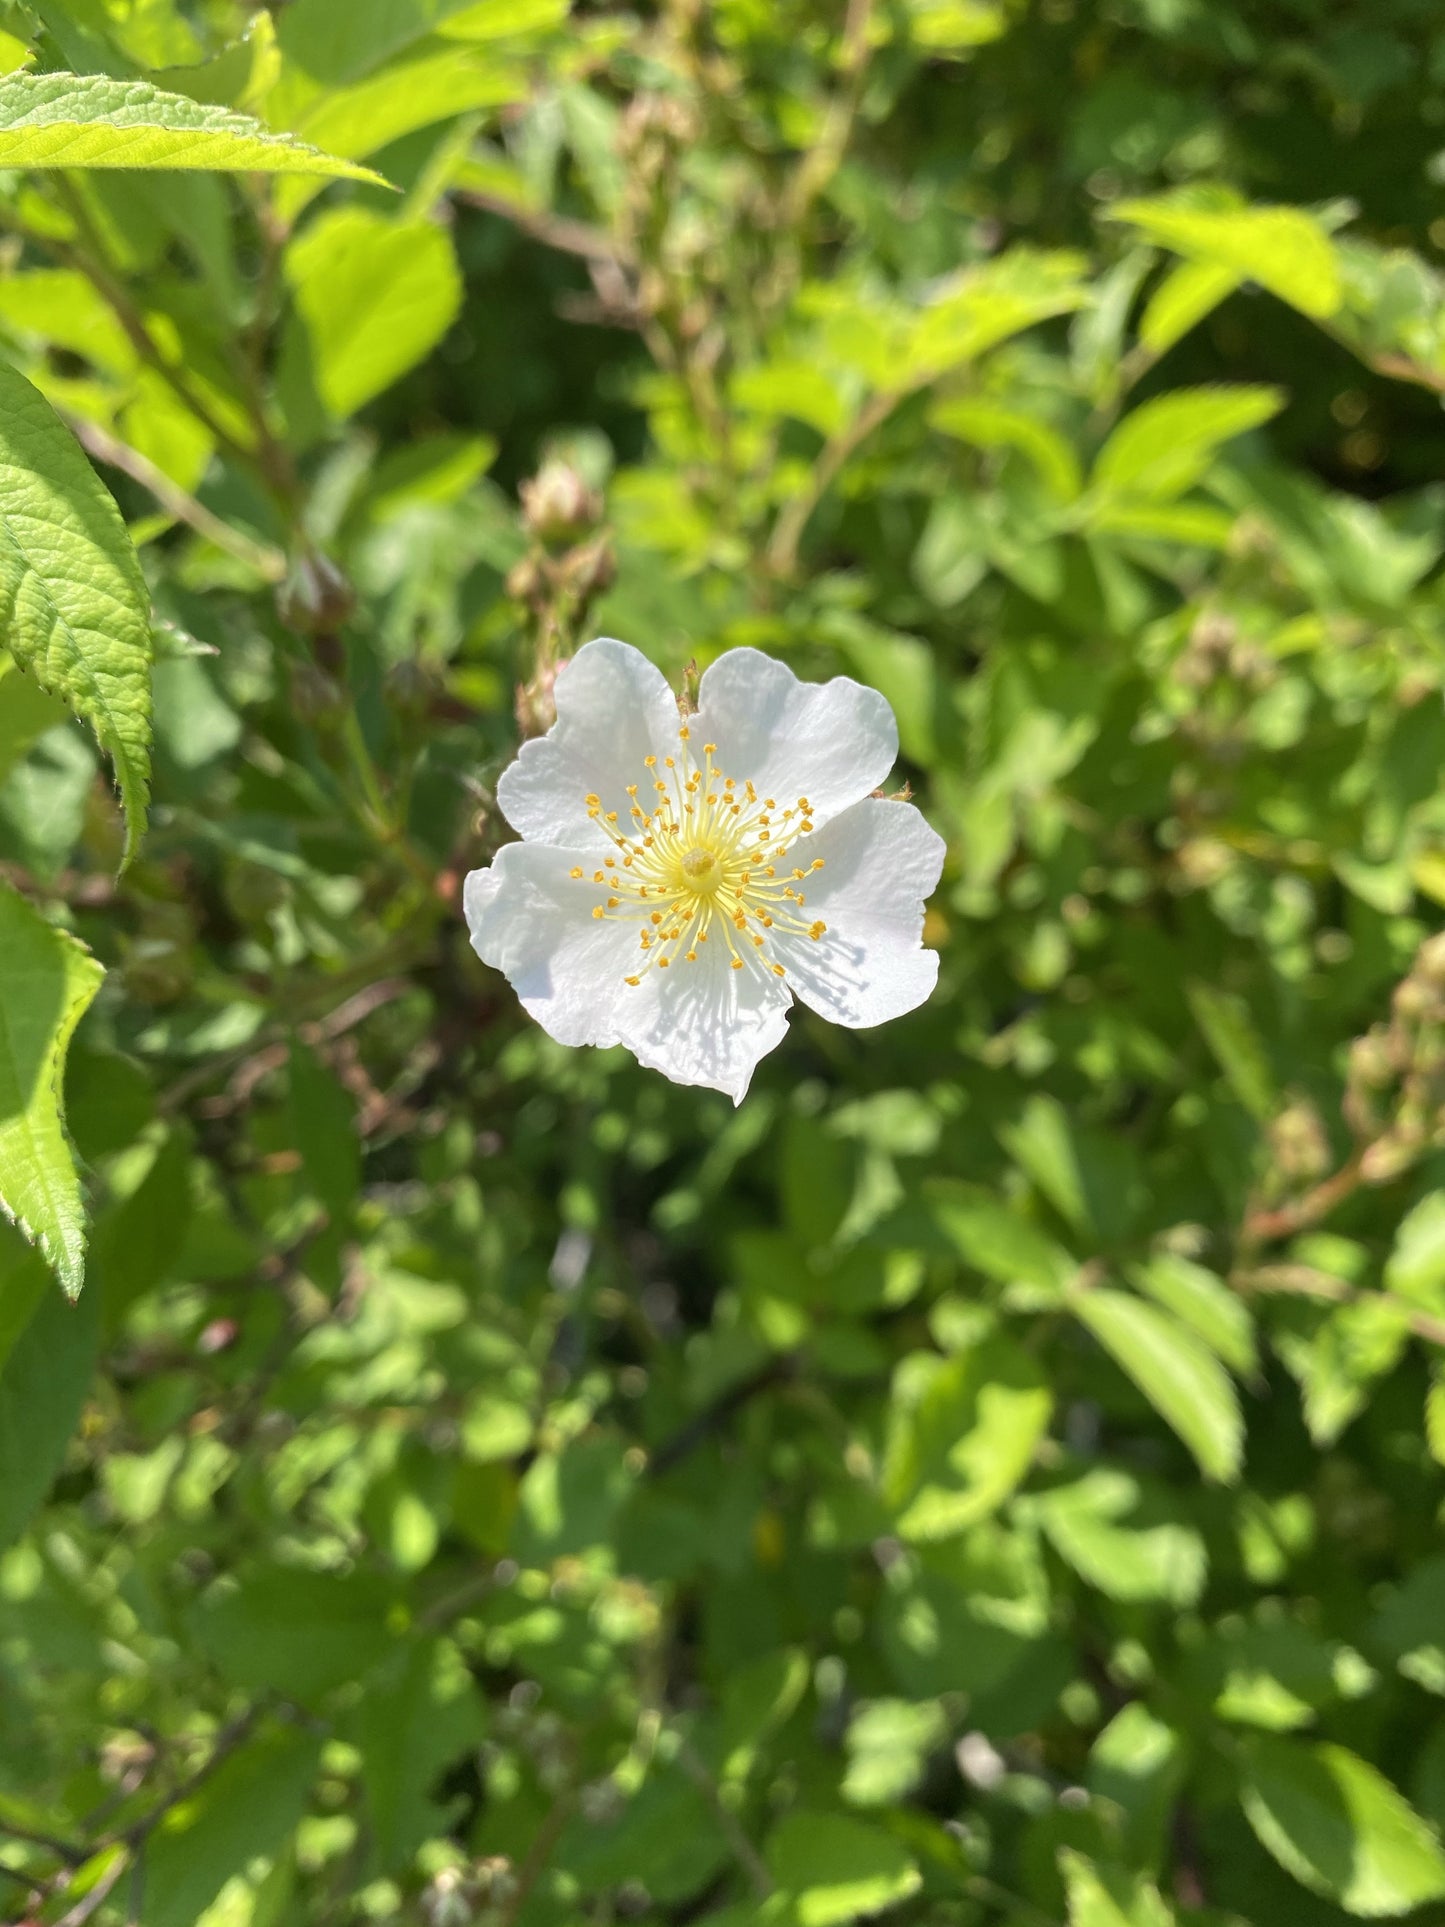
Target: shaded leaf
{"x":1184,"y":1382}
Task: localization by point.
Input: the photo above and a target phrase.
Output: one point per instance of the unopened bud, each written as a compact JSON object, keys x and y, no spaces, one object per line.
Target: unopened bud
{"x":1297,"y":1139}
{"x":1413,"y":1001}
{"x":315,"y":599}
{"x":314,"y":694}
{"x":557,"y":505}
{"x":592,"y":569}
{"x":1371,"y":1061}
{"x":1430,"y":963}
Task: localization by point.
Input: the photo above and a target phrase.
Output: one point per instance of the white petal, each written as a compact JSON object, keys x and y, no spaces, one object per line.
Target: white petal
{"x":881,"y":860}
{"x":832,"y":742}
{"x":613,"y":708}
{"x":704,"y":1022}
{"x":529,"y":919}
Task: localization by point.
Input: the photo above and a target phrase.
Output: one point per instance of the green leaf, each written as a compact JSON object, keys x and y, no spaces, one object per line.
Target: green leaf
{"x":335,"y":44}
{"x":293,"y":1631}
{"x":966,"y":1439}
{"x":1410,"y":1628}
{"x":1139,"y":1762}
{"x":889,"y":1742}
{"x":1435,"y":1417}
{"x":1205,"y":1303}
{"x":995,"y":1240}
{"x":245,"y":1810}
{"x":989,"y":304}
{"x":1229,"y":1032}
{"x":373,"y":297}
{"x":1188,"y":292}
{"x":835,"y":1869}
{"x":1117,"y":1538}
{"x":1110,"y":1896}
{"x":1415,"y":1269}
{"x":47,"y":980}
{"x":1282,"y":248}
{"x":323,"y":1121}
{"x":91,"y":120}
{"x":1339,"y":1827}
{"x":43,"y":1389}
{"x":1184,"y":1382}
{"x":418,"y":1717}
{"x":1163,"y":447}
{"x":987,"y":424}
{"x":74,"y":606}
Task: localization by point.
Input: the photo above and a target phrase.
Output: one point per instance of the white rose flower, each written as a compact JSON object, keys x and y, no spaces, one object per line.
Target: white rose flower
{"x":681,"y":879}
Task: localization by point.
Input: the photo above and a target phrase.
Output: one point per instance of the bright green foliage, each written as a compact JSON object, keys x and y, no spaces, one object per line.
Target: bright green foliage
{"x":69,"y":120}
{"x":993,"y":1477}
{"x":74,"y":606}
{"x":49,"y":980}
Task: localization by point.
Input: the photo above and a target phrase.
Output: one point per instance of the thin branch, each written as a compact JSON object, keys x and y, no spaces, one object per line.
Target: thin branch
{"x":1264,"y":1226}
{"x":268,"y":562}
{"x":553,"y":230}
{"x":743,"y":1850}
{"x":65,"y":1850}
{"x":782,"y":551}
{"x":538,"y":1854}
{"x":1304,"y":1281}
{"x":91,"y":1902}
{"x":230,"y":1737}
{"x":823,"y":158}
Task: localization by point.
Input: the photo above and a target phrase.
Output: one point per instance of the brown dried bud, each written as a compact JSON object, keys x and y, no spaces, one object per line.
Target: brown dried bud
{"x":315,"y":695}
{"x":315,"y":599}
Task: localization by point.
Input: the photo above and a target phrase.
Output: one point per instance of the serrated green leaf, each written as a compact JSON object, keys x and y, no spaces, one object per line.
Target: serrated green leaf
{"x":987,"y":424}
{"x":43,"y":1388}
{"x":47,"y":981}
{"x":1118,"y":1539}
{"x":1110,"y":1896}
{"x":1164,"y":447}
{"x":373,"y":297}
{"x":1339,"y":1827}
{"x":956,"y":1453}
{"x":422,"y":1713}
{"x":996,"y":1240}
{"x":1205,"y":1303}
{"x":1284,"y":249}
{"x":1188,"y":292}
{"x":1415,"y":1269}
{"x":834,"y":1869}
{"x":74,"y":607}
{"x":91,"y":120}
{"x":1229,"y":1032}
{"x":1184,"y":1382}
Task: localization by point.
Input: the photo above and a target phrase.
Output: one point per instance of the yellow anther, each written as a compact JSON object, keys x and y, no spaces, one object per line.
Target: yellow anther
{"x":663,"y":962}
{"x":778,"y":971}
{"x":684,"y":732}
{"x":599,"y":911}
{"x":816,"y":930}
{"x":709,"y":749}
{"x":598,"y":877}
{"x":690,"y":957}
{"x":737,"y":963}
{"x":612,"y":902}
{"x":633,"y":980}
{"x":656,"y":916}
{"x":650,"y":762}
{"x":594,"y":801}
{"x":575,"y":871}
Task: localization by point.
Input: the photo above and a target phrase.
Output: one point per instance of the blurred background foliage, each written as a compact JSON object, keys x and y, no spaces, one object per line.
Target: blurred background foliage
{"x":995,"y":1475}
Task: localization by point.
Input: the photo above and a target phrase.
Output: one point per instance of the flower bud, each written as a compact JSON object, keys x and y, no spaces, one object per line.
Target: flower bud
{"x":1430,"y":963}
{"x":557,"y":505}
{"x":1371,"y":1065}
{"x":315,"y":599}
{"x":315,"y":695}
{"x":1413,"y":1001}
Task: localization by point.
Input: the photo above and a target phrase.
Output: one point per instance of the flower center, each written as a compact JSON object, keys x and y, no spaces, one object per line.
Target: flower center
{"x":703,"y":860}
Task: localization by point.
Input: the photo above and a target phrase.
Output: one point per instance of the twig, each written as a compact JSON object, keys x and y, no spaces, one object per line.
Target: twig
{"x":782,"y":550}
{"x":714,"y":1416}
{"x":822,"y":159}
{"x":1264,"y":1226}
{"x":538,"y":1854}
{"x":62,"y":1849}
{"x":554,"y":230}
{"x":743,"y":1850}
{"x":90,"y":1902}
{"x":268,"y":562}
{"x":1304,"y":1281}
{"x":228,"y":1739}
